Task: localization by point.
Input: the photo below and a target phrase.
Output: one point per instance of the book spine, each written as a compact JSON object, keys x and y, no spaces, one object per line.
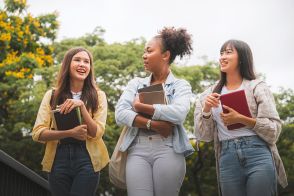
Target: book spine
{"x":79,"y":115}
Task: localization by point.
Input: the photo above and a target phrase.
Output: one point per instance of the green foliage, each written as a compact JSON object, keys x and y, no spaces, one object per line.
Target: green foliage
{"x":22,"y":51}
{"x":285,"y":107}
{"x":22,"y":55}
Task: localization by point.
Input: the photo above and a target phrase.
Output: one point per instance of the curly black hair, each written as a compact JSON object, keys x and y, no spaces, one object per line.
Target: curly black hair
{"x":177,"y":41}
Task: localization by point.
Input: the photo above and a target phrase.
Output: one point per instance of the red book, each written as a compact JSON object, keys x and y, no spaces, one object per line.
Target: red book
{"x":237,"y":101}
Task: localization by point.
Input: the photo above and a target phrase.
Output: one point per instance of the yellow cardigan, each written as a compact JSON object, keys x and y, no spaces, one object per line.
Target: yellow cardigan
{"x":95,"y":145}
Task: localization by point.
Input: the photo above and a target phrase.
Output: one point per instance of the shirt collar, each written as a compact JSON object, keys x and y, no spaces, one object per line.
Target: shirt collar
{"x":170,"y":79}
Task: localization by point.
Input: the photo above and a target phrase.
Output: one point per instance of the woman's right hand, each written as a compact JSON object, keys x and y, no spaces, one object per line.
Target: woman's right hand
{"x":79,"y":132}
{"x":211,"y":101}
{"x":164,"y":128}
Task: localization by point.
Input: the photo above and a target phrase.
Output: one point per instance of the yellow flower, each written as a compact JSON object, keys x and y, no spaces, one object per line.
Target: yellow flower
{"x":8,"y":73}
{"x":5,"y":37}
{"x":36,"y":23}
{"x":27,"y":30}
{"x":10,"y":58}
{"x":48,"y":59}
{"x":40,"y":51}
{"x":24,"y":69}
{"x":19,"y":75}
{"x":21,"y":1}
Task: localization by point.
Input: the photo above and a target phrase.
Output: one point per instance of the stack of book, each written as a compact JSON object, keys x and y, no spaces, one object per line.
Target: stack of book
{"x":153,"y":94}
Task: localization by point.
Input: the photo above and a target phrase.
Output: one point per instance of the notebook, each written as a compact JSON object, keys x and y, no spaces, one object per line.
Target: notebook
{"x":237,"y":101}
{"x":155,"y":87}
{"x":66,"y":121}
{"x":153,"y":94}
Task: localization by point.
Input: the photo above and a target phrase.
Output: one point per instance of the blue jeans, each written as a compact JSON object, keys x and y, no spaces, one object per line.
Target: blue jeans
{"x":247,"y":168}
{"x":72,"y":172}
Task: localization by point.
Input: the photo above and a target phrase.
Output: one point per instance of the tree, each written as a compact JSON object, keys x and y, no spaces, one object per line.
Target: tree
{"x":25,"y":44}
{"x":285,"y":107}
{"x":24,"y":54}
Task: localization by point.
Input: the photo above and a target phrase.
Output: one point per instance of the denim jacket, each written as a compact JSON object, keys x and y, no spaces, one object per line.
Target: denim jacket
{"x":178,"y":93}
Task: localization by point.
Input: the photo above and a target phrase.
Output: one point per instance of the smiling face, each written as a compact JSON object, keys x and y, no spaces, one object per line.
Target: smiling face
{"x":80,"y":66}
{"x":153,"y":56}
{"x":229,"y":60}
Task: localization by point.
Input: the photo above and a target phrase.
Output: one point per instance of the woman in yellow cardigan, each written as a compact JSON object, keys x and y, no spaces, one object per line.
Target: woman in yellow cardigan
{"x":74,"y":157}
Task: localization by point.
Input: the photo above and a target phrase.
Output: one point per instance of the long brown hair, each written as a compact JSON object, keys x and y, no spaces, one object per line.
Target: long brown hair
{"x":245,"y":59}
{"x":89,"y":91}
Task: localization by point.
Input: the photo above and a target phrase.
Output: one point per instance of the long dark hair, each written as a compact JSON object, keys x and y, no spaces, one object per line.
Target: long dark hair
{"x":245,"y":59}
{"x":62,"y":91}
{"x":177,"y":41}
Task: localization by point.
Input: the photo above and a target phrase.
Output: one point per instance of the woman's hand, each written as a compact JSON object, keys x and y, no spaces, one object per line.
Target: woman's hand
{"x":164,"y":128}
{"x":211,"y":101}
{"x":69,"y":105}
{"x":142,"y":108}
{"x":231,"y":117}
{"x":79,"y":132}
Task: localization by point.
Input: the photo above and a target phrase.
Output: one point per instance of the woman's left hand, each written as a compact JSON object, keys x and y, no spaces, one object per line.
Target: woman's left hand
{"x":231,"y":117}
{"x":69,"y":105}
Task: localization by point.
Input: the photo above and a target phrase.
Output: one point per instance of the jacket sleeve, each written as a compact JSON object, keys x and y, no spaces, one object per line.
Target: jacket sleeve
{"x":268,"y":123}
{"x":124,"y":112}
{"x":203,"y":128}
{"x":177,"y":110}
{"x":43,"y":117}
{"x":100,"y":115}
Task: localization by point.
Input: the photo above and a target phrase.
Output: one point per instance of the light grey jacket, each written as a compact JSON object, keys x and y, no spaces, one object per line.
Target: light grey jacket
{"x":268,"y":124}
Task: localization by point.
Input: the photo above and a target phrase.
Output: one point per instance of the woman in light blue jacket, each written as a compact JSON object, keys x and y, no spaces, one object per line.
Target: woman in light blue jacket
{"x":157,"y":146}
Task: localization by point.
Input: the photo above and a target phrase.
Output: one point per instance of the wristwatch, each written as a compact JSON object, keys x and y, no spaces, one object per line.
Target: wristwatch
{"x":148,"y":124}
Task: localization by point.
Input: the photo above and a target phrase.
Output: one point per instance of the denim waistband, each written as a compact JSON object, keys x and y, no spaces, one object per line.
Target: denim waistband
{"x":152,"y":138}
{"x":243,"y":139}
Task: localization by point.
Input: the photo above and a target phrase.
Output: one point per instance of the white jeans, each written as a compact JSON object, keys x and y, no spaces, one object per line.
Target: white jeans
{"x":153,"y":168}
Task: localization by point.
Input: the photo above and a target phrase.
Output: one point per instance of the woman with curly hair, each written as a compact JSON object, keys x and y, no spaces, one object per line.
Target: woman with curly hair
{"x":157,"y":145}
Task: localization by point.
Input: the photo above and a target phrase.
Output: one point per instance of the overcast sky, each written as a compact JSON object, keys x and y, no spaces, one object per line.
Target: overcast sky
{"x":266,"y":25}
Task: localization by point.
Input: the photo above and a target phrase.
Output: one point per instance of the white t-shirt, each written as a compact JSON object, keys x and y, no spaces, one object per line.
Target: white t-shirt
{"x":76,"y":95}
{"x":223,"y":132}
